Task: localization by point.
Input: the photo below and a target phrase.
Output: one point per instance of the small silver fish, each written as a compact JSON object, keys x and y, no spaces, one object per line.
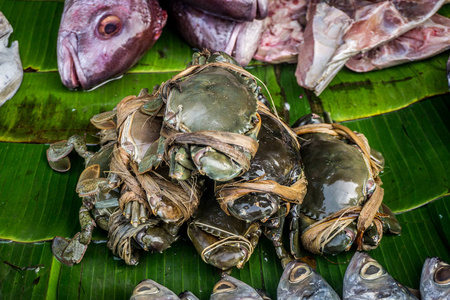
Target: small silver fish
{"x":365,"y":278}
{"x":11,"y":72}
{"x":187,"y":296}
{"x":229,"y":288}
{"x":151,"y":290}
{"x":300,"y":281}
{"x":435,"y":279}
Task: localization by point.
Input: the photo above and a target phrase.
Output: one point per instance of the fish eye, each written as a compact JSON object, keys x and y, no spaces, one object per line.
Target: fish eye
{"x":442,"y":274}
{"x":109,"y":26}
{"x":224,"y":286}
{"x":372,"y":270}
{"x":146,"y":290}
{"x":299,"y":273}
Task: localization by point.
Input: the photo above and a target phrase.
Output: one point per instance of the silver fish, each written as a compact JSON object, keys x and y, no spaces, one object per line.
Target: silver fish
{"x":11,"y":72}
{"x":435,"y":279}
{"x":300,"y":281}
{"x":229,"y":288}
{"x":187,"y":296}
{"x":365,"y":278}
{"x":151,"y":290}
{"x":106,"y":39}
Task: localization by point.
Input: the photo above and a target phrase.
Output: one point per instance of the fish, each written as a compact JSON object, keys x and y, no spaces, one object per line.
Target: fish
{"x":187,"y":296}
{"x":230,"y":288}
{"x":300,"y":281}
{"x":365,"y":278}
{"x":283,"y":31}
{"x":323,"y":35}
{"x":234,"y":10}
{"x":11,"y":72}
{"x":421,"y":42}
{"x":100,"y":40}
{"x":151,"y":290}
{"x":435,"y":279}
{"x":203,"y":30}
{"x":370,"y":24}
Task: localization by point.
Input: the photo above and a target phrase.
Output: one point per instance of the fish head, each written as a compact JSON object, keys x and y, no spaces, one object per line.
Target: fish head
{"x":297,"y":276}
{"x":187,"y":296}
{"x":231,"y":288}
{"x":148,"y":289}
{"x":435,"y":279}
{"x":300,"y":281}
{"x":98,"y":40}
{"x":365,"y":278}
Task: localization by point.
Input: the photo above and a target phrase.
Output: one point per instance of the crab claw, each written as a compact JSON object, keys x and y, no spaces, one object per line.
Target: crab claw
{"x":57,"y":156}
{"x":68,"y":252}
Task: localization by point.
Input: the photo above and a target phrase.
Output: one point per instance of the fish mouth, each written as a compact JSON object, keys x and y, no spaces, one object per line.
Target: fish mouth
{"x":429,"y":267}
{"x":69,"y":65}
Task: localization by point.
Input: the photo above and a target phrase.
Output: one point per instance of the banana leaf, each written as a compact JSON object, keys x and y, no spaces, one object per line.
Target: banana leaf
{"x":403,"y":111}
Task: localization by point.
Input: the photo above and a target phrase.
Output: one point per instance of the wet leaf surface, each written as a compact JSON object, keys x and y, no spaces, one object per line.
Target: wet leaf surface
{"x":37,"y":204}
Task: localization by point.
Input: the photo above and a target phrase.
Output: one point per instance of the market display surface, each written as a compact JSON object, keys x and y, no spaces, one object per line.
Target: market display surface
{"x":37,"y":204}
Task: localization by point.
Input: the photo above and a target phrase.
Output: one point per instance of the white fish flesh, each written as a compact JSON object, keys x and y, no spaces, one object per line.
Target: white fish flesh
{"x":421,"y":42}
{"x":373,"y":23}
{"x":283,"y":31}
{"x":11,"y":72}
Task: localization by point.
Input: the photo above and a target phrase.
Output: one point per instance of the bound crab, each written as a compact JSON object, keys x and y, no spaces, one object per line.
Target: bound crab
{"x":274,"y":182}
{"x":111,"y":179}
{"x":343,"y":203}
{"x":210,"y":122}
{"x":100,"y":195}
{"x":221,"y":240}
{"x":145,"y":190}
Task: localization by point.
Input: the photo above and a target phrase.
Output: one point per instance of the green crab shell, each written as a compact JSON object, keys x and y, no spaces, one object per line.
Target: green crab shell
{"x":337,"y":175}
{"x":139,"y":132}
{"x":211,"y":219}
{"x":278,"y":159}
{"x":213,"y":99}
{"x":278,"y":156}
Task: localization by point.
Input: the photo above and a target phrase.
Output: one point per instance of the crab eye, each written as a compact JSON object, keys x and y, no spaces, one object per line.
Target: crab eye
{"x":442,"y":275}
{"x":299,"y":273}
{"x":372,"y":271}
{"x":223,"y":286}
{"x":109,"y":26}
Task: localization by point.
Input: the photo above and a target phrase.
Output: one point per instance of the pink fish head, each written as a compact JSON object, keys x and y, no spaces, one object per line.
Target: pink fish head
{"x":99,"y":40}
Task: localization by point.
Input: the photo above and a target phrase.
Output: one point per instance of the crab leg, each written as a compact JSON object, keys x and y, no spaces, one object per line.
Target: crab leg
{"x":71,"y":251}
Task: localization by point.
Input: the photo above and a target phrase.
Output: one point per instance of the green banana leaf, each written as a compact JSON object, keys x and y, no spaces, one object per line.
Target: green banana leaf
{"x":37,"y":204}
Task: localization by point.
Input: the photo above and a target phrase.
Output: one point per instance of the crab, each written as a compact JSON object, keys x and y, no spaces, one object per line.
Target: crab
{"x":343,"y":203}
{"x":210,"y":122}
{"x":126,"y":134}
{"x":153,"y":235}
{"x":146,"y":190}
{"x":134,"y":127}
{"x":221,"y":240}
{"x":275,"y":180}
{"x":100,"y":195}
